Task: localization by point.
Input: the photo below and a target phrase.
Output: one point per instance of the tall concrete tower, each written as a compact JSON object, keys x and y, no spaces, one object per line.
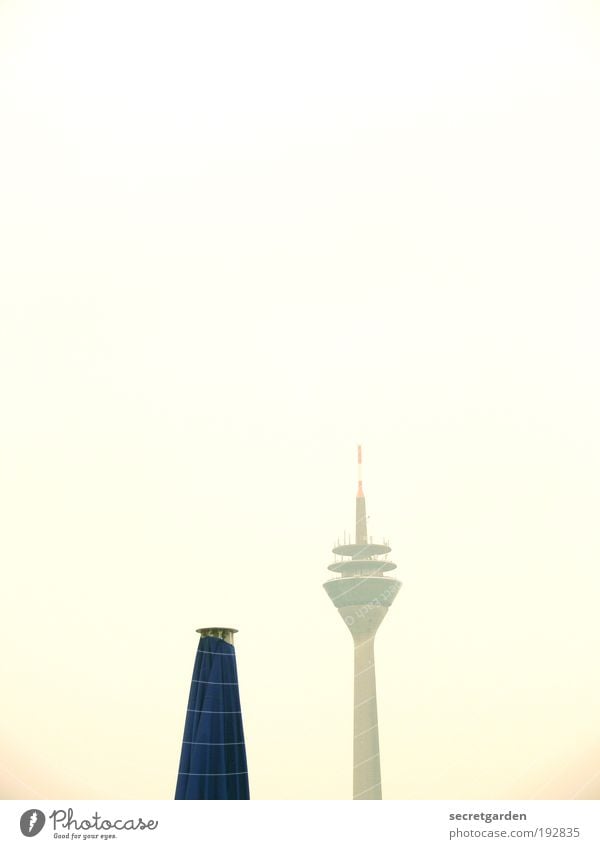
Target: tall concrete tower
{"x":362,"y":594}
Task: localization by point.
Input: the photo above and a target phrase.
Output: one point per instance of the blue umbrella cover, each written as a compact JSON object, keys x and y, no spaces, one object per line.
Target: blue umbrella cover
{"x":213,"y":754}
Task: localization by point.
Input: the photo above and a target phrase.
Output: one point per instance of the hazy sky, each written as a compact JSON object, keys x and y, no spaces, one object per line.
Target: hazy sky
{"x":237,"y":239}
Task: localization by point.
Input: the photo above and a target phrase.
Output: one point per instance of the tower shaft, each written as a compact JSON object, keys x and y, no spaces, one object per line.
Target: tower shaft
{"x":366,"y":782}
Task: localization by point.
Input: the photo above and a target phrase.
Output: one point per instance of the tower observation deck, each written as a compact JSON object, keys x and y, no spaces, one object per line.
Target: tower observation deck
{"x":363,"y":593}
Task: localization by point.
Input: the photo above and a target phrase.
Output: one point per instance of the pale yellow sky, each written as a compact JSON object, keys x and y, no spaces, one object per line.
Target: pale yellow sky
{"x":236,"y":240}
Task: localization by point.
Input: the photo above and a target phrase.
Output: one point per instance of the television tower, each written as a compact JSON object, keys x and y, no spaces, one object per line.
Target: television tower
{"x":362,"y":594}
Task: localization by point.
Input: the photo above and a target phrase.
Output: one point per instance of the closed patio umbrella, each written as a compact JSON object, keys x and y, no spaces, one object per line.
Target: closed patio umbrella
{"x":213,"y":754}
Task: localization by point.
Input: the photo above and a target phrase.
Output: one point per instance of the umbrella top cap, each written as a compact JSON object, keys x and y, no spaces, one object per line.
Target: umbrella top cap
{"x":222,"y":633}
